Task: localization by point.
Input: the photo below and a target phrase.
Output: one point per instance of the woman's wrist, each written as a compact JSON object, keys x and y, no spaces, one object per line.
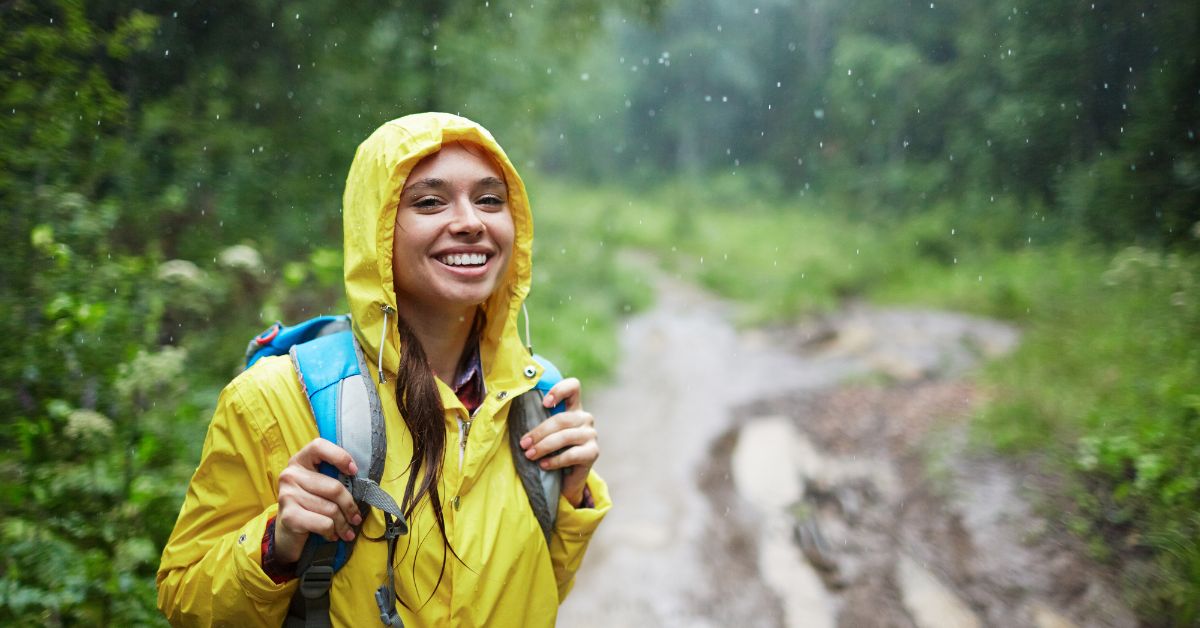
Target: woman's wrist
{"x":582,"y":498}
{"x":277,"y":571}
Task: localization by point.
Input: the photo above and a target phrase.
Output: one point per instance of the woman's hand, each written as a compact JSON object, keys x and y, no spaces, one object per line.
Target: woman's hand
{"x":312,"y":502}
{"x":573,"y":430}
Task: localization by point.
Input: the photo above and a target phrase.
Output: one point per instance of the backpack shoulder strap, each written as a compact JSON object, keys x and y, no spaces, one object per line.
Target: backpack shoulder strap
{"x":347,"y":411}
{"x":542,"y":487}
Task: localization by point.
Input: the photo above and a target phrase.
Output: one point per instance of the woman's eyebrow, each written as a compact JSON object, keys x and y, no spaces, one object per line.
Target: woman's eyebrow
{"x":492,"y":181}
{"x":430,"y":183}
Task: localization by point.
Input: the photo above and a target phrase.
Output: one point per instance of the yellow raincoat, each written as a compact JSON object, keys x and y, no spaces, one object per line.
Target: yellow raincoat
{"x":211,"y":567}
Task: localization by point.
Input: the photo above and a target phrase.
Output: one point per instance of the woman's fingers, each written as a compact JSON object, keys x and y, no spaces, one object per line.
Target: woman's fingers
{"x":566,"y":390}
{"x":312,"y":502}
{"x":343,"y":524}
{"x":555,"y":441}
{"x":320,"y":450}
{"x":303,"y":480}
{"x":582,"y":455}
{"x":556,"y":423}
{"x":306,"y":522}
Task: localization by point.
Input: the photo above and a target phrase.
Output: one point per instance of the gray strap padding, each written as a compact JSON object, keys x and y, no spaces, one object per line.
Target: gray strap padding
{"x":354,"y":421}
{"x":378,"y":428}
{"x":542,"y":487}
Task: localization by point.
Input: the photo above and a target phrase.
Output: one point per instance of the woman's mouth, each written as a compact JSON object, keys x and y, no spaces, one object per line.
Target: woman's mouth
{"x":463,"y":260}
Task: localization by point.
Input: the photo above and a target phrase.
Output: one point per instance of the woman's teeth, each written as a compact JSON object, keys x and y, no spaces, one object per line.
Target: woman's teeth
{"x":466,"y":259}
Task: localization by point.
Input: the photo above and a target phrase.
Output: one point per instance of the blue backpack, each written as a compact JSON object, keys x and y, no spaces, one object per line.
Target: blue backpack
{"x":347,"y":410}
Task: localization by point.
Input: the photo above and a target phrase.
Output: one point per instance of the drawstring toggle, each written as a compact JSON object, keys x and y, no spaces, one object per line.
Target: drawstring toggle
{"x":387,"y":309}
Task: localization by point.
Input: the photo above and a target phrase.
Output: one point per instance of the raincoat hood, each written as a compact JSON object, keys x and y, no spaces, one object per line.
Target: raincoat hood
{"x":381,"y":165}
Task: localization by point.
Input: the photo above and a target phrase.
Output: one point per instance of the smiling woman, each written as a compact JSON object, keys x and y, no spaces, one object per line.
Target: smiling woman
{"x":438,"y":247}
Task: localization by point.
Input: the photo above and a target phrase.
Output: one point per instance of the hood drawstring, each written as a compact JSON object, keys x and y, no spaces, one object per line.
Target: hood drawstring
{"x":528,"y":342}
{"x":387,"y":309}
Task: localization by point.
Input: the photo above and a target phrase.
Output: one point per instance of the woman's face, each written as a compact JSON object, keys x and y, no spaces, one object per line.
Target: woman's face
{"x":454,"y":232}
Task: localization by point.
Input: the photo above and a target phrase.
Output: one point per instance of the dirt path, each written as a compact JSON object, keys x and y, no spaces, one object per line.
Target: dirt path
{"x":782,"y":478}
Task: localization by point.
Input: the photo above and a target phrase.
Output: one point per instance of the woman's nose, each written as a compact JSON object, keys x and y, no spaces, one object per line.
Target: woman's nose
{"x":466,"y":220}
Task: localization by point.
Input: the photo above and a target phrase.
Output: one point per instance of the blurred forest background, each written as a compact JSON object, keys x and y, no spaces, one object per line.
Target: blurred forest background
{"x":170,"y":183}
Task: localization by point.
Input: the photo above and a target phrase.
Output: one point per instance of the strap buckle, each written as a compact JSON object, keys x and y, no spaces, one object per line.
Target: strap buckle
{"x":386,"y":601}
{"x":316,"y":581}
{"x":266,"y":337}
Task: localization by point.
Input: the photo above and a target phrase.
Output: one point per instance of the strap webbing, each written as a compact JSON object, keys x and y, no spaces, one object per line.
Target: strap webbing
{"x":385,"y":595}
{"x":310,"y":606}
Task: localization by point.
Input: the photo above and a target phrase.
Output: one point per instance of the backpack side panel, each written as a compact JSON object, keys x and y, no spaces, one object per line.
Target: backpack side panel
{"x":278,"y":339}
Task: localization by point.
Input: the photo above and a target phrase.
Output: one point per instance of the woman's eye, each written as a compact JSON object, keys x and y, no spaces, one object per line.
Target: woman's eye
{"x":494,"y":201}
{"x":429,"y":202}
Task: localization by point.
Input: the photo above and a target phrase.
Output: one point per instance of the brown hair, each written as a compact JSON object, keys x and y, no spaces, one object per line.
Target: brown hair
{"x":421,"y":406}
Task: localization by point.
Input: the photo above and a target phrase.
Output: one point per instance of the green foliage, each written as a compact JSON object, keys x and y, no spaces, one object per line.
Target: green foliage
{"x":1087,"y":109}
{"x":170,"y":178}
{"x":580,"y":286}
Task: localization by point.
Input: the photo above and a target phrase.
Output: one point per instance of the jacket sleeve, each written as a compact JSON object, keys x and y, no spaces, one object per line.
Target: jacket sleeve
{"x":573,"y":531}
{"x":211,"y":571}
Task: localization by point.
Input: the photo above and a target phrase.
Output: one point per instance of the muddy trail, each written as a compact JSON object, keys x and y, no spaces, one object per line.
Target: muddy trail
{"x":817,"y":475}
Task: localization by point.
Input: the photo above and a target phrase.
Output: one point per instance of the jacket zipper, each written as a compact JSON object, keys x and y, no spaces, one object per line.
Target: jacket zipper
{"x":464,"y":430}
